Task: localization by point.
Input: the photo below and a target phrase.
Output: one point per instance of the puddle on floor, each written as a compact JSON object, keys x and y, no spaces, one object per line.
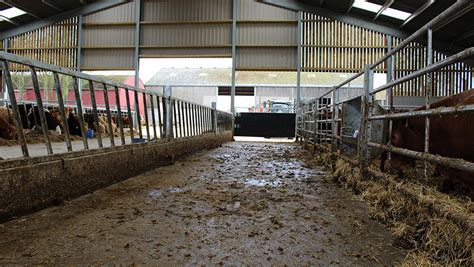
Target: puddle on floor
{"x":175,"y":190}
{"x":258,"y":182}
{"x":155,"y":193}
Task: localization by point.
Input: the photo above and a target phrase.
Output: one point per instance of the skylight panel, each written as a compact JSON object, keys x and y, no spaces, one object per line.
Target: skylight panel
{"x":394,"y":13}
{"x":362,"y":4}
{"x":374,"y":8}
{"x":12,"y":12}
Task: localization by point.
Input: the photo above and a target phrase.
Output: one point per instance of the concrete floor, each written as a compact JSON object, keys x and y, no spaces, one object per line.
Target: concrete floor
{"x":243,"y":203}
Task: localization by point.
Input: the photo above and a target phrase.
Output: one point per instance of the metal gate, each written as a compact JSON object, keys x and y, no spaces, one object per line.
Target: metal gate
{"x":265,"y":124}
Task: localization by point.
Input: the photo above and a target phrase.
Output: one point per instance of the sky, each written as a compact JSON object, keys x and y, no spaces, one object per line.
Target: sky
{"x":150,"y":66}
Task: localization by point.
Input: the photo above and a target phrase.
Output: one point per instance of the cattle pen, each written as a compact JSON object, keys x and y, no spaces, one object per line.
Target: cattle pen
{"x":237,"y":132}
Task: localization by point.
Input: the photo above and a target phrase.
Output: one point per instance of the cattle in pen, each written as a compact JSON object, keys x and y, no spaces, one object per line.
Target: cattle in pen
{"x":7,"y":126}
{"x":51,"y":123}
{"x":450,"y":136}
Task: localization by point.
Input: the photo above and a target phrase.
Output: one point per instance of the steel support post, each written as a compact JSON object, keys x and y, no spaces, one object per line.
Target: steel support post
{"x":130,"y":115}
{"x":390,"y":75}
{"x":5,"y":87}
{"x":214,"y":117}
{"x":95,"y":113}
{"x":365,"y":129}
{"x":109,"y":115}
{"x":59,"y":95}
{"x":168,"y":119}
{"x":298,"y":62}
{"x":429,"y":61}
{"x":136,"y":60}
{"x":234,"y":55}
{"x":39,"y":102}
{"x":119,"y":114}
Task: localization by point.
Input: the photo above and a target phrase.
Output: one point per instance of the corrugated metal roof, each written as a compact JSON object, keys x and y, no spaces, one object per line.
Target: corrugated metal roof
{"x":222,"y":77}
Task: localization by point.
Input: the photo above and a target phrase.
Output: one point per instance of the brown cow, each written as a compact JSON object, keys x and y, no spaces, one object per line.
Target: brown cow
{"x":7,"y":126}
{"x":450,"y":136}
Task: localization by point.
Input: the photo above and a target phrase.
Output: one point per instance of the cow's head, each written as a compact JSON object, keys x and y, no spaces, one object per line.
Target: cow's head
{"x":403,"y":137}
{"x":8,"y":132}
{"x":11,"y":132}
{"x":57,"y":116}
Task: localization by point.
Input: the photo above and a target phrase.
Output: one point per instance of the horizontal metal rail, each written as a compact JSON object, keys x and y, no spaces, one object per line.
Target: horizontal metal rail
{"x":427,"y":112}
{"x":174,"y":117}
{"x":60,"y":70}
{"x":456,"y":163}
{"x":453,"y":9}
{"x":368,"y":102}
{"x":469,"y":52}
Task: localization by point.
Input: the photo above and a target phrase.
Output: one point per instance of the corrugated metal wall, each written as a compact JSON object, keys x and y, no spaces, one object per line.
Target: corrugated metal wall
{"x":109,"y":39}
{"x":266,"y":37}
{"x":200,"y":28}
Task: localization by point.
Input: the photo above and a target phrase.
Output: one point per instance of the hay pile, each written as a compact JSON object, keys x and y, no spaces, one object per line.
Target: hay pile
{"x":437,"y":228}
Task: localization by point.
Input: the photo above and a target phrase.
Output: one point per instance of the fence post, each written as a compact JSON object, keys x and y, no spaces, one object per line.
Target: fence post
{"x":365,"y":129}
{"x":168,"y":118}
{"x":333,"y":122}
{"x":214,"y":117}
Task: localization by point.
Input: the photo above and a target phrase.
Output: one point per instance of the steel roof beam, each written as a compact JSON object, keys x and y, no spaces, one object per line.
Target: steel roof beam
{"x":347,"y":18}
{"x":52,"y":5}
{"x":387,"y":4}
{"x":350,"y":6}
{"x":420,"y":10}
{"x":295,"y":5}
{"x":8,"y":20}
{"x":84,"y":10}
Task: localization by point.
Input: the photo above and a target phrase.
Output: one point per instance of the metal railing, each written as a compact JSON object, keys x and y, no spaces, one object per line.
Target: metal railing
{"x":157,"y":116}
{"x":319,"y":121}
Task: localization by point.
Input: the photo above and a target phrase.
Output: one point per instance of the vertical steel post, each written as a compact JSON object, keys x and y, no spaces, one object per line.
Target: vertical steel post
{"x":315,"y":119}
{"x":153,"y":119}
{"x":77,"y":93}
{"x":109,"y":115}
{"x":5,"y":88}
{"x":214,"y":117}
{"x":365,"y":129}
{"x":119,"y":114}
{"x":95,"y":114}
{"x":188,"y":119}
{"x":39,"y":101}
{"x":136,"y":59}
{"x":175,"y":119}
{"x":390,"y":75}
{"x":17,"y":120}
{"x":428,"y":86}
{"x":193,"y":110}
{"x":138,"y":116}
{"x":169,"y":113}
{"x":298,"y":62}
{"x":145,"y":110}
{"x":79,"y":55}
{"x":234,"y":55}
{"x":137,"y":41}
{"x":130,"y":115}
{"x":181,"y":118}
{"x":333,"y":120}
{"x":158,"y":105}
{"x":62,"y":110}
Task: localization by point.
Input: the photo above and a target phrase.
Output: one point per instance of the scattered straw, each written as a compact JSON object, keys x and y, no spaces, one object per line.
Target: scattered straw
{"x":435,"y":226}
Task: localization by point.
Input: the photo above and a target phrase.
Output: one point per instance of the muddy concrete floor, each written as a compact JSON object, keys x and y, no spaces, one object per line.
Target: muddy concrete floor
{"x":241,"y":204}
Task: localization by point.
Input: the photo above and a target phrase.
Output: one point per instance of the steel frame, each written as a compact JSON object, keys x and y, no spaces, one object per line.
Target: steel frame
{"x":174,"y":109}
{"x":313,"y":119}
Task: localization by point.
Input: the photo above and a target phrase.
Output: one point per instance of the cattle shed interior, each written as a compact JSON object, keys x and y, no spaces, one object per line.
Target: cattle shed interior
{"x":237,"y":132}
